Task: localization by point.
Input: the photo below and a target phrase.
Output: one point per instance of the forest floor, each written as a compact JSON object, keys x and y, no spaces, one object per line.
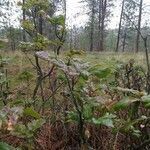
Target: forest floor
{"x":22,"y":80}
{"x":95,"y":57}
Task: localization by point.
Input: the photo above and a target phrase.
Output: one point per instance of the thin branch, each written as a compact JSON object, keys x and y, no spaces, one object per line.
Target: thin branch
{"x":134,"y":26}
{"x":49,"y":73}
{"x":30,"y":60}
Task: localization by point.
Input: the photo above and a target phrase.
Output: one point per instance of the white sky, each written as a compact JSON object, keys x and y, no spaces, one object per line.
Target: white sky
{"x":76,"y":13}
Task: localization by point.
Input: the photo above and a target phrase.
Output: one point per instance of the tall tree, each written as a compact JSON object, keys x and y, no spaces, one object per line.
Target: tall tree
{"x":8,"y":23}
{"x":24,"y":18}
{"x":92,"y":19}
{"x":120,"y":24}
{"x":104,"y":13}
{"x":99,"y":12}
{"x":102,"y":17}
{"x":139,"y":25}
{"x":126,"y":29}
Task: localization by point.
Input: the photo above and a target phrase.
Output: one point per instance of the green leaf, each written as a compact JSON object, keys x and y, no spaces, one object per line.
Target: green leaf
{"x":72,"y":116}
{"x":106,"y":120}
{"x":88,"y":112}
{"x":29,"y":130}
{"x":58,"y":20}
{"x":71,"y":53}
{"x":17,"y":102}
{"x":28,"y":25}
{"x":100,"y":73}
{"x":5,"y":146}
{"x":25,"y":75}
{"x":146,"y":101}
{"x":22,"y":131}
{"x":35,"y":124}
{"x":124,"y":103}
{"x":31,"y":112}
{"x":147,"y":105}
{"x":136,"y":133}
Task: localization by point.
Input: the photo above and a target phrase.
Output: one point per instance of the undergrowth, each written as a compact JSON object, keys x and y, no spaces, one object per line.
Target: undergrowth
{"x":78,"y":104}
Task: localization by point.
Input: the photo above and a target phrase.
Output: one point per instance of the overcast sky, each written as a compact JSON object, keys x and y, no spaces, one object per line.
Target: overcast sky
{"x":76,"y":13}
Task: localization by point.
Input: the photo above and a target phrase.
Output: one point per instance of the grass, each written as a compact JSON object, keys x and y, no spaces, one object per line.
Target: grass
{"x":18,"y":63}
{"x":94,"y":57}
{"x":123,"y":57}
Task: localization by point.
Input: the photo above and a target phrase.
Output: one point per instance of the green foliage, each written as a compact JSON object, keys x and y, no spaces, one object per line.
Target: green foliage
{"x":31,"y":26}
{"x":2,"y":44}
{"x":72,"y":95}
{"x":5,"y":146}
{"x":28,"y":131}
{"x":39,"y":4}
{"x":99,"y":72}
{"x":58,"y":20}
{"x":31,"y":112}
{"x":73,"y":53}
{"x":125,"y":103}
{"x":4,"y":61}
{"x":106,"y":120}
{"x":26,"y":46}
{"x":28,"y":25}
{"x":146,"y":101}
{"x":25,"y":76}
{"x":40,"y":42}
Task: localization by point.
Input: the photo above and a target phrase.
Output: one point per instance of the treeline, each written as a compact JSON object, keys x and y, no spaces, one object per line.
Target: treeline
{"x":95,"y":35}
{"x":79,"y":39}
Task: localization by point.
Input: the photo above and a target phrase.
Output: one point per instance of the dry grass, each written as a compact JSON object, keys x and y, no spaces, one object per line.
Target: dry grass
{"x":19,"y":57}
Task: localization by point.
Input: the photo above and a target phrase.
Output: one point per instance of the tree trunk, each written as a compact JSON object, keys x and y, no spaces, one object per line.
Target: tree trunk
{"x":92,"y":27}
{"x":40,"y":25}
{"x":102,"y":16}
{"x":62,"y":38}
{"x":120,"y":24}
{"x":124,"y":41}
{"x":139,"y":26}
{"x":24,"y":18}
{"x":99,"y":25}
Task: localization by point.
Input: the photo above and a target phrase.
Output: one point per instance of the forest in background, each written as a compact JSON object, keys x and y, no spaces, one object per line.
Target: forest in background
{"x":96,"y":34}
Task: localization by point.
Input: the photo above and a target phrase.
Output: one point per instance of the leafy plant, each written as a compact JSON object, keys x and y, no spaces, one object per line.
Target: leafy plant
{"x":5,"y":146}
